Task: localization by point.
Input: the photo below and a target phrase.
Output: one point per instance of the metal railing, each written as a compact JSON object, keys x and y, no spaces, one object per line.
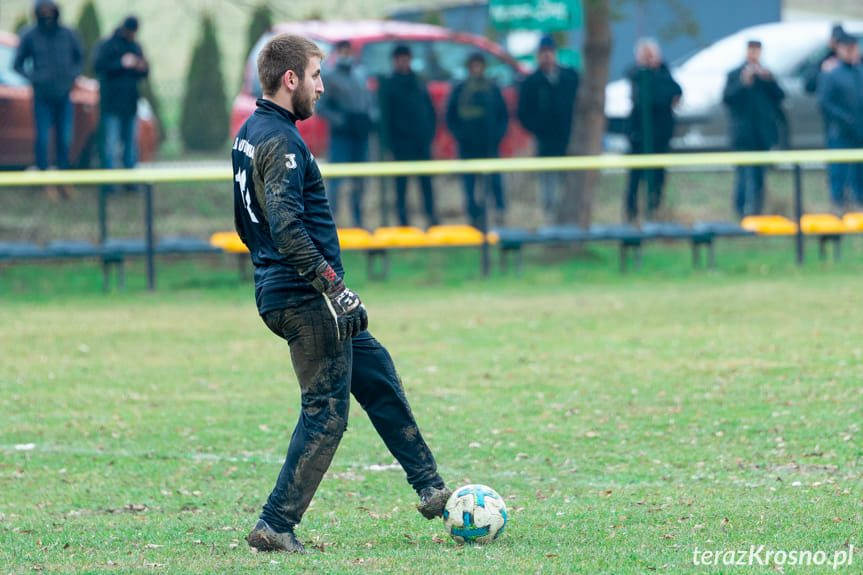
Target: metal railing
{"x":149,"y":177}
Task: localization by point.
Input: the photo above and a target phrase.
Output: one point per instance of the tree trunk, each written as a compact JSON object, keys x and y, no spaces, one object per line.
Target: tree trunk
{"x":589,"y":119}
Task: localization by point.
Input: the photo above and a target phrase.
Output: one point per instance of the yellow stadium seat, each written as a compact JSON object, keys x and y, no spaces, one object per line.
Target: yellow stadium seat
{"x":399,"y":237}
{"x":460,"y":235}
{"x":820,"y":224}
{"x":229,"y":242}
{"x":769,"y":225}
{"x":853,"y":222}
{"x":355,"y":239}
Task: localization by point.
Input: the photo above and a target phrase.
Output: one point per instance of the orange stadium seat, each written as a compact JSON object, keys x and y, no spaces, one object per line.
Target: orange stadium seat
{"x":229,"y":242}
{"x":457,"y":235}
{"x":400,"y":237}
{"x":356,"y":239}
{"x":853,"y":222}
{"x":820,"y":224}
{"x":769,"y":225}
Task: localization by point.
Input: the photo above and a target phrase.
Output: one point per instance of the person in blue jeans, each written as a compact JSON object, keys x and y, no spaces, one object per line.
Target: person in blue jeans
{"x":478,"y":117}
{"x":50,"y":56}
{"x":347,"y":106}
{"x":120,"y":63}
{"x":840,"y":94}
{"x":407,"y":130}
{"x":651,"y":124}
{"x":754,"y":101}
{"x":545,"y":107}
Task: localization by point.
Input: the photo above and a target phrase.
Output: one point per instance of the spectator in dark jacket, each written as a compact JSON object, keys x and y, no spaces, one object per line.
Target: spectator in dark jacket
{"x":651,"y":122}
{"x":120,"y":64}
{"x":545,"y":108}
{"x":477,"y":117}
{"x":408,"y":123}
{"x":840,"y":94}
{"x":50,"y":57}
{"x":347,"y":106}
{"x":827,"y":63}
{"x":754,"y":100}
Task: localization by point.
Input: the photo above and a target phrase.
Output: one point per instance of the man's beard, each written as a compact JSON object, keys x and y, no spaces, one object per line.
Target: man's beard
{"x":303,"y":104}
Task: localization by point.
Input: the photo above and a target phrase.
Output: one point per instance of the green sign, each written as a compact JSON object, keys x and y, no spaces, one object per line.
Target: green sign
{"x":545,"y":15}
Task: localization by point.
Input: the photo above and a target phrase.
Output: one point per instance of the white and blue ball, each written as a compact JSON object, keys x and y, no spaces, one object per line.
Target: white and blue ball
{"x":474,"y":514}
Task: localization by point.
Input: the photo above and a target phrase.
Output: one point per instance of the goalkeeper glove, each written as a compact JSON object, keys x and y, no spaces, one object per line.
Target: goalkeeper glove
{"x":348,"y":311}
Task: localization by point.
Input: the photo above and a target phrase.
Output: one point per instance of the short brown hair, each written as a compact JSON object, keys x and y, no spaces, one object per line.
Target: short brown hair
{"x":282,"y":53}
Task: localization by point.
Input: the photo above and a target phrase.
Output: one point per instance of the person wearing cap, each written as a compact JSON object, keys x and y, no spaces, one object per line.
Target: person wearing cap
{"x":50,"y":56}
{"x":651,"y":123}
{"x":408,"y":124}
{"x":840,"y":95}
{"x":827,"y":63}
{"x":120,"y":63}
{"x":478,"y":117}
{"x":546,"y":104}
{"x":754,"y":101}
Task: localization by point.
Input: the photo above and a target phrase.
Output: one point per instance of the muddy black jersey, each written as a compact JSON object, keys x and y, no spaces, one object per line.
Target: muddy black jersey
{"x":281,"y":211}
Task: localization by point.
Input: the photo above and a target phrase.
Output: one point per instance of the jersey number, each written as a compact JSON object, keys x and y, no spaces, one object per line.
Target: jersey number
{"x":240,"y":178}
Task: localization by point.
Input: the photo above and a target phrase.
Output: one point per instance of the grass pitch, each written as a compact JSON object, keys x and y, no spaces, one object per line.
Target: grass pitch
{"x":629,"y":422}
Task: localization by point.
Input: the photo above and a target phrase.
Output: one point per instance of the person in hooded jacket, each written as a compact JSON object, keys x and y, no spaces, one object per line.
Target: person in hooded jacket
{"x":477,"y":116}
{"x":408,"y":124}
{"x":347,"y":106}
{"x":120,"y":63}
{"x":840,"y":95}
{"x":50,"y":56}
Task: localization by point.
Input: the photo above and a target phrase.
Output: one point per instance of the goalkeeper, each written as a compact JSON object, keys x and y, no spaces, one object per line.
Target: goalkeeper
{"x":281,"y":213}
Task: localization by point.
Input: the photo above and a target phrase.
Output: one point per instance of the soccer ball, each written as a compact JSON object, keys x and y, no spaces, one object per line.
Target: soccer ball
{"x":474,"y":514}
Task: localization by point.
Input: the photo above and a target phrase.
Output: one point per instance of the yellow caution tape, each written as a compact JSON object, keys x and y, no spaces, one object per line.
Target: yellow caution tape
{"x":441,"y":167}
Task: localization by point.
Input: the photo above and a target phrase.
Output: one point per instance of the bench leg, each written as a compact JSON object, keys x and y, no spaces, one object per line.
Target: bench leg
{"x":837,"y":249}
{"x":370,"y":264}
{"x":119,"y":267}
{"x":637,"y":258}
{"x":711,"y":256}
{"x":121,"y":275}
{"x":242,"y":267}
{"x":372,"y":257}
{"x":507,"y":254}
{"x":106,"y":276}
{"x":822,"y":248}
{"x":696,"y":253}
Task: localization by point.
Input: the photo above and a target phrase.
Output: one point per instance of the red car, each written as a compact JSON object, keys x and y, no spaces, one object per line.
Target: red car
{"x":439,"y":57}
{"x":18,"y":134}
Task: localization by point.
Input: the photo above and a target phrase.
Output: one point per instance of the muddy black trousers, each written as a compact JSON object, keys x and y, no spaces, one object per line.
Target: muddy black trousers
{"x":328,"y":372}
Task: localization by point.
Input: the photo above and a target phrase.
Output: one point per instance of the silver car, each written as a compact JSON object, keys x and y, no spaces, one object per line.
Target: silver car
{"x":791,"y":50}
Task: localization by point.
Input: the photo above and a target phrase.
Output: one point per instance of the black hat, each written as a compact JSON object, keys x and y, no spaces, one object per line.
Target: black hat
{"x":846,"y":38}
{"x":547,"y":43}
{"x":401,"y":50}
{"x":39,"y":4}
{"x":343,"y":44}
{"x":475,"y":57}
{"x":131,"y":24}
{"x":837,"y":32}
{"x":754,"y":44}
